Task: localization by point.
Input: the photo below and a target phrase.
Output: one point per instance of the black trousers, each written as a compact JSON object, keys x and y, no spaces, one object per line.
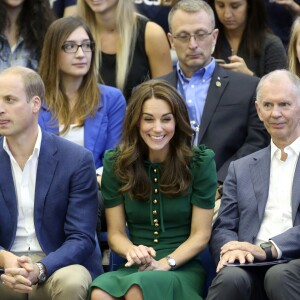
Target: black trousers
{"x":278,"y":282}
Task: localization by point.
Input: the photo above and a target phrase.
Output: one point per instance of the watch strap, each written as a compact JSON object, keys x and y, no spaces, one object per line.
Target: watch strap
{"x":267,"y":247}
{"x":42,"y":273}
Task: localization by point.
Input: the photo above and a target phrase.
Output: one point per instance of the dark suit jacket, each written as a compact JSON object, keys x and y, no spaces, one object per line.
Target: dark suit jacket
{"x":65,"y":205}
{"x":230,"y":125}
{"x":245,"y":194}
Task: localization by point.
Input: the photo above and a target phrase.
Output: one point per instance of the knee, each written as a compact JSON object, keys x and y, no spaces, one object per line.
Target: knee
{"x":277,"y":278}
{"x":70,"y":281}
{"x":98,"y":294}
{"x":134,"y":292}
{"x":231,"y":276}
{"x":230,"y":283}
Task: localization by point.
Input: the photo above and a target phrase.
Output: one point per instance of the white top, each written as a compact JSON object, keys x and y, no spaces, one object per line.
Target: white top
{"x":24,"y":181}
{"x":278,"y":213}
{"x":74,"y":134}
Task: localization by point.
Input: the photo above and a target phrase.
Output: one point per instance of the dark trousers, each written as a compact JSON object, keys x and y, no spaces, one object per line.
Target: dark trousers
{"x":279,"y":282}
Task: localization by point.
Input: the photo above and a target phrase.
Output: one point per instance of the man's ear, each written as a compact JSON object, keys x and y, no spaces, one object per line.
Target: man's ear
{"x":171,"y":39}
{"x":215,"y":36}
{"x":36,"y":104}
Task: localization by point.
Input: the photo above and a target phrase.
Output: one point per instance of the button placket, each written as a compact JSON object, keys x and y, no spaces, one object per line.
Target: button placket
{"x":155,"y":206}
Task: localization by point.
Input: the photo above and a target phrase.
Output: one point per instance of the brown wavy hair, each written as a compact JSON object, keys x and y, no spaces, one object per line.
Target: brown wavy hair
{"x":56,"y":99}
{"x":175,"y":177}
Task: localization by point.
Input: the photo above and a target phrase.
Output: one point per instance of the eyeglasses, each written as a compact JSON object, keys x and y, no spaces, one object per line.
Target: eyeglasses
{"x":72,"y":47}
{"x":185,"y":38}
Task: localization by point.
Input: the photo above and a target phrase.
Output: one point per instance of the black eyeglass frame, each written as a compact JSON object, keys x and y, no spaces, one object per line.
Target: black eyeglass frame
{"x":90,"y":43}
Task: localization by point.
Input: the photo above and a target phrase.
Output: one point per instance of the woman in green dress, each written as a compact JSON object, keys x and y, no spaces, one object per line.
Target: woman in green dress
{"x":162,"y":189}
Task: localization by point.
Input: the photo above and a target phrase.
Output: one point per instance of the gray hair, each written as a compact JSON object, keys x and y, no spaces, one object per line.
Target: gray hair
{"x":278,"y":75}
{"x":192,"y":6}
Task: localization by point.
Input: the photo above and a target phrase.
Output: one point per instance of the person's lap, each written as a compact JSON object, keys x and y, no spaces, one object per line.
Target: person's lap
{"x":68,"y":283}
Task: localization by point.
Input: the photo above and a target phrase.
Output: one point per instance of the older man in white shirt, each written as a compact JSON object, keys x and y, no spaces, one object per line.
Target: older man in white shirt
{"x":258,"y":226}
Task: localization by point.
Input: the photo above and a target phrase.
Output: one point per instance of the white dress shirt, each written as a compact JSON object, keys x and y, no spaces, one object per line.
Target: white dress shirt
{"x":278,"y":212}
{"x":24,"y":181}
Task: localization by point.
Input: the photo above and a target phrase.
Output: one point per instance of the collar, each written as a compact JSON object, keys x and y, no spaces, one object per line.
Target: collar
{"x":204,"y":73}
{"x":293,"y":147}
{"x":36,"y":149}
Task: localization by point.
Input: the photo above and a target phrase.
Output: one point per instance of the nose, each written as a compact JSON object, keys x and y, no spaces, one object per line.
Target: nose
{"x":276,"y":112}
{"x":193,"y":42}
{"x":157,"y":126}
{"x":1,"y":107}
{"x":227,"y":12}
{"x":79,"y":52}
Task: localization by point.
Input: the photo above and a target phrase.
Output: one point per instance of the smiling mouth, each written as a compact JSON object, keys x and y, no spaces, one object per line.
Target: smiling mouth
{"x":157,"y":137}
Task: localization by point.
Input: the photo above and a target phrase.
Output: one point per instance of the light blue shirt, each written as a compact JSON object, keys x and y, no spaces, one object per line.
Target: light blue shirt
{"x":19,"y":55}
{"x":194,"y":91}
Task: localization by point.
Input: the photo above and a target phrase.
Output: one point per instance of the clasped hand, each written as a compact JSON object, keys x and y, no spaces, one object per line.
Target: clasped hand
{"x":240,"y":251}
{"x":144,"y":257}
{"x":21,"y":276}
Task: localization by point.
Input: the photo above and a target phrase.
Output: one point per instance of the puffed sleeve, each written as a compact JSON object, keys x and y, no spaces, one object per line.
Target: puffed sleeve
{"x":110,"y":184}
{"x":204,"y":174}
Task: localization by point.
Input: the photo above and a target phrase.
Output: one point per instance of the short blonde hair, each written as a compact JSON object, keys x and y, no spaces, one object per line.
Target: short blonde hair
{"x":33,"y":83}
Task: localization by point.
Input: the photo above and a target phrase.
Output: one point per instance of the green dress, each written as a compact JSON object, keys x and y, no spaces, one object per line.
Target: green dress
{"x":162,"y":223}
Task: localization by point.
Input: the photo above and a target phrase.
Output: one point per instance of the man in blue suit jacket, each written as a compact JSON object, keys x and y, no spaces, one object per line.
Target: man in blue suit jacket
{"x":220,"y":102}
{"x":48,"y":200}
{"x":259,"y":217}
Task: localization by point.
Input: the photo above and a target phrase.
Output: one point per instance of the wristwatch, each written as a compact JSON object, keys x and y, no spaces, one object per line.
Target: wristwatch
{"x":42,"y":275}
{"x":171,"y":262}
{"x":267,"y":248}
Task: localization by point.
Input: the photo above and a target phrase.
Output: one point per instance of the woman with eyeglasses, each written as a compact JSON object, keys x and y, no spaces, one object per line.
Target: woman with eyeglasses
{"x":245,"y":41}
{"x":131,"y":48}
{"x":23,"y":24}
{"x":76,"y":107}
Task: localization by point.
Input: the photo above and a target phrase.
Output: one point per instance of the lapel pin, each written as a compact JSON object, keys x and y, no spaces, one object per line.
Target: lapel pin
{"x":218,"y":84}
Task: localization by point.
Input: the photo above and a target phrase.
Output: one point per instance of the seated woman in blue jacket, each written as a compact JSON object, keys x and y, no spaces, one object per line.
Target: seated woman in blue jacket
{"x":76,"y":107}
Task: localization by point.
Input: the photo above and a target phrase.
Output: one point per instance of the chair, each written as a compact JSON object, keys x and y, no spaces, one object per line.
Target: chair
{"x":210,"y":268}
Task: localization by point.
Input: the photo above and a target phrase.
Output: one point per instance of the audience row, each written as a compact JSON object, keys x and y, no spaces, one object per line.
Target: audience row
{"x":162,"y":163}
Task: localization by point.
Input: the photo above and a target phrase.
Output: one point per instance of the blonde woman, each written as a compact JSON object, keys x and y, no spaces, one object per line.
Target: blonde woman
{"x":294,"y":48}
{"x":132,"y":49}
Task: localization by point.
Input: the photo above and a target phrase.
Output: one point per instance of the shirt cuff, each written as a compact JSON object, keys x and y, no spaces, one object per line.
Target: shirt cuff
{"x":279,"y":252}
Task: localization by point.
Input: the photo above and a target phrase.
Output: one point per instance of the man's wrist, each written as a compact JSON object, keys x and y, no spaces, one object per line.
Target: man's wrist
{"x":41,"y":272}
{"x":267,"y":248}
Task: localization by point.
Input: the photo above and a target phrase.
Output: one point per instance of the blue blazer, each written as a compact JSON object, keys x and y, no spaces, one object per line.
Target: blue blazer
{"x":229,"y":125}
{"x":245,"y":194}
{"x":65,"y":205}
{"x":101,"y":132}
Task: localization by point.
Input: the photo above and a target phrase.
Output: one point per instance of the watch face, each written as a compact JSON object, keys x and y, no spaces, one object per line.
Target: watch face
{"x":266,"y":245}
{"x":172,"y":262}
{"x":42,"y":277}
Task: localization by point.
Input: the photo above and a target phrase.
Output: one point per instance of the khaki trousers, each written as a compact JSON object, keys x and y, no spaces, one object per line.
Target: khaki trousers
{"x":68,"y":283}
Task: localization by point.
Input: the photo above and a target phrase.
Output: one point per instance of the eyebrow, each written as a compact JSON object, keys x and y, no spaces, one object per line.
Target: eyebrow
{"x":145,"y":113}
{"x":72,"y":41}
